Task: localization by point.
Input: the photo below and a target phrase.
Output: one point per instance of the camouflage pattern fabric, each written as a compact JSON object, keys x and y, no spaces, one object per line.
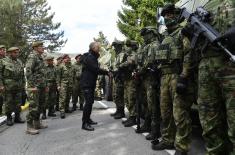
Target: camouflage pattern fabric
{"x":77,"y":92}
{"x":216,"y":97}
{"x":12,"y":78}
{"x":51,"y":95}
{"x":65,"y":82}
{"x":35,"y":74}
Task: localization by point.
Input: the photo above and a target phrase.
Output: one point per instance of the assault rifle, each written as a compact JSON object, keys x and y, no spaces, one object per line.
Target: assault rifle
{"x":199,"y":28}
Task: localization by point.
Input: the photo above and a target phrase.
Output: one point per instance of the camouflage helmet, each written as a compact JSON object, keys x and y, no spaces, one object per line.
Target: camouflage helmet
{"x":37,"y":43}
{"x":148,"y":29}
{"x":117,"y":42}
{"x":13,"y":49}
{"x":168,"y":8}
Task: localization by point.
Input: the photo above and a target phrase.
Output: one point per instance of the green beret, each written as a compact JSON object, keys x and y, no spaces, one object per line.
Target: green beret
{"x":78,"y":56}
{"x":37,"y":43}
{"x":2,"y":46}
{"x":49,"y":58}
{"x":13,"y":49}
{"x":148,"y":29}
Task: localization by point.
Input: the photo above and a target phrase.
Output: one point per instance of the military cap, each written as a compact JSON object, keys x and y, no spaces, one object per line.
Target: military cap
{"x":148,"y":29}
{"x":13,"y":49}
{"x":78,"y":56}
{"x":37,"y":43}
{"x":2,"y":46}
{"x":65,"y":56}
{"x":49,"y":57}
{"x":117,"y":42}
{"x":168,"y":8}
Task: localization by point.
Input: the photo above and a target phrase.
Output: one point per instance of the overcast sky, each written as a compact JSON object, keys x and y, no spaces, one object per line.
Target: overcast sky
{"x":83,"y":19}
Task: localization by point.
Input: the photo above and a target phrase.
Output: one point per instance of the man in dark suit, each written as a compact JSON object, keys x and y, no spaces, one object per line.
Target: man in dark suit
{"x":90,"y":71}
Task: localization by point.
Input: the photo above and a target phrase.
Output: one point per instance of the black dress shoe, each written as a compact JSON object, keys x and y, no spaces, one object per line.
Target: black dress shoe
{"x":87,"y":126}
{"x":62,"y":115}
{"x":91,"y":122}
{"x":19,"y":120}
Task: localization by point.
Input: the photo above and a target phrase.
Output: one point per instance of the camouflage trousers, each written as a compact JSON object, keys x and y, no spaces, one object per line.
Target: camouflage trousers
{"x":130,"y":96}
{"x":150,"y":93}
{"x":51,"y":96}
{"x":98,"y":88}
{"x":118,"y":94}
{"x":12,"y":102}
{"x":77,"y":92}
{"x":216,"y":100}
{"x":65,"y":96}
{"x":175,"y":110}
{"x":36,"y":103}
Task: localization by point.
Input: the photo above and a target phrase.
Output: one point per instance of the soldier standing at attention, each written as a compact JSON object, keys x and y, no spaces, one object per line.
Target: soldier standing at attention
{"x":52,"y":86}
{"x":65,"y":85}
{"x":2,"y":55}
{"x":77,"y":92}
{"x":11,"y":80}
{"x":35,"y":74}
{"x":58,"y":63}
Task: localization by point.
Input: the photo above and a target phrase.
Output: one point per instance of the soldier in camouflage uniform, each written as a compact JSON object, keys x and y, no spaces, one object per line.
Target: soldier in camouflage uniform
{"x":58,"y":63}
{"x":35,"y":74}
{"x":128,"y":67}
{"x":149,"y":76}
{"x":175,"y":106}
{"x":216,"y":93}
{"x":11,"y":79}
{"x":77,"y":92}
{"x":52,"y":86}
{"x":118,"y":88}
{"x":65,"y":85}
{"x":2,"y":55}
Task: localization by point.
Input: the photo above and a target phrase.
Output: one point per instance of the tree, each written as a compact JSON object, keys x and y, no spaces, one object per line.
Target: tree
{"x":24,"y":21}
{"x":136,"y":14}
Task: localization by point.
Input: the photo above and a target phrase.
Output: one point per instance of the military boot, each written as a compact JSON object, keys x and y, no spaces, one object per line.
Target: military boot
{"x":18,"y":119}
{"x":9,"y":120}
{"x":155,"y":132}
{"x":74,"y":108}
{"x":162,"y":146}
{"x":120,"y":114}
{"x":44,"y":115}
{"x":131,"y":121}
{"x":81,"y":107}
{"x":146,"y":127}
{"x":178,"y":152}
{"x":51,"y":112}
{"x":113,"y":114}
{"x":38,"y":125}
{"x":31,"y":130}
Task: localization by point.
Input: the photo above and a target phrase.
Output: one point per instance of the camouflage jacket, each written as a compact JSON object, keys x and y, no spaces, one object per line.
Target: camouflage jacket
{"x":146,"y":56}
{"x":77,"y":71}
{"x":50,"y":73}
{"x":65,"y":75}
{"x":35,"y":71}
{"x":12,"y":74}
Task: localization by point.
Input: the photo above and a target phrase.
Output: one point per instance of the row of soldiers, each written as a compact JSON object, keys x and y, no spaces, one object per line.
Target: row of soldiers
{"x":48,"y":86}
{"x":168,"y":76}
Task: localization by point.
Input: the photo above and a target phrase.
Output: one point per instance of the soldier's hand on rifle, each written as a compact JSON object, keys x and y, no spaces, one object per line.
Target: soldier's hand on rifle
{"x":228,"y":35}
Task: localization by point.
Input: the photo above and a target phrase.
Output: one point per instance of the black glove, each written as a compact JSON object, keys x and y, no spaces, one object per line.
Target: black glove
{"x":181,"y":86}
{"x":228,"y":38}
